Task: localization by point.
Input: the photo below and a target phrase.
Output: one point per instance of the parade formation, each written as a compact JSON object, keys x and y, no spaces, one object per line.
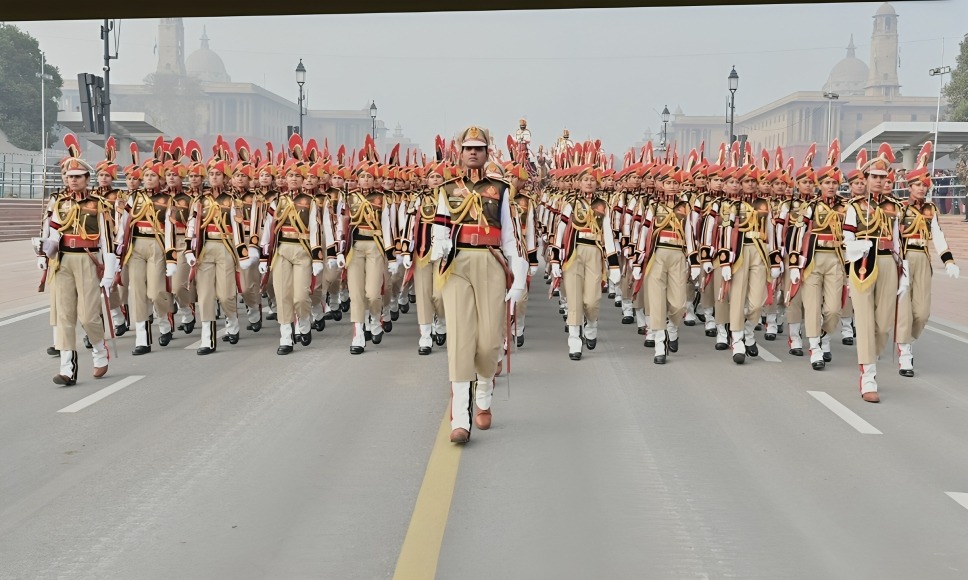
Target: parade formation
{"x":748,"y":246}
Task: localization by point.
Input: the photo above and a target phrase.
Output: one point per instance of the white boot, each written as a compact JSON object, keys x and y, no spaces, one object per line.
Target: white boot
{"x":68,"y":364}
{"x":485,"y":392}
{"x":185,"y":315}
{"x":460,"y":405}
{"x":641,"y":320}
{"x":591,"y":330}
{"x":739,"y":347}
{"x":905,"y":359}
{"x":816,"y":353}
{"x":690,"y":314}
{"x":285,"y":335}
{"x":439,"y":326}
{"x":232,"y":325}
{"x":425,"y":343}
{"x":141,"y":334}
{"x":794,"y":341}
{"x":722,"y":337}
{"x":825,"y":346}
{"x":208,"y":335}
{"x":673,"y":331}
{"x":710,"y":323}
{"x":661,"y":346}
{"x":847,"y":328}
{"x":749,"y":338}
{"x":519,"y":326}
{"x":574,"y":341}
{"x":317,"y":311}
{"x":255,"y":314}
{"x":868,"y":382}
{"x":164,"y":324}
{"x":376,"y":328}
{"x":359,"y":339}
{"x":303,"y":326}
{"x":771,"y":324}
{"x":117,"y":317}
{"x":627,"y":309}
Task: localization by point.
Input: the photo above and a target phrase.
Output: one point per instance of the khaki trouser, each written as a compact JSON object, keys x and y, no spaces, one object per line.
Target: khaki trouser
{"x":914,"y":308}
{"x":874,"y":311}
{"x":395,"y":285}
{"x":326,"y":283}
{"x":521,"y":311}
{"x":822,"y":292}
{"x":364,"y":276}
{"x":252,"y":291}
{"x":848,"y":310}
{"x":147,"y":284}
{"x":721,"y":306}
{"x":185,"y":294}
{"x":429,"y":302}
{"x":292,"y":272}
{"x":473,"y":298}
{"x":76,"y":296}
{"x":794,"y":310}
{"x":582,"y":279}
{"x":747,"y":291}
{"x":666,"y":280}
{"x":215,"y":280}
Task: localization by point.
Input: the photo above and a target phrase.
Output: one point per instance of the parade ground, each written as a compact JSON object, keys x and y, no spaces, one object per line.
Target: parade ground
{"x":245,"y":464}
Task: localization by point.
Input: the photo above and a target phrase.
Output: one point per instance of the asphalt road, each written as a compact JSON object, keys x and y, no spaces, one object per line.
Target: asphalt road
{"x":245,"y":464}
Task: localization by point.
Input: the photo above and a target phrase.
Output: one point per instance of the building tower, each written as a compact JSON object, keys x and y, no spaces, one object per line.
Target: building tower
{"x":882,"y":80}
{"x":171,"y":46}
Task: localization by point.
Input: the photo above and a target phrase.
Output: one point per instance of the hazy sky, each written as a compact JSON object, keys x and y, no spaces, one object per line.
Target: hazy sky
{"x":601,"y":73}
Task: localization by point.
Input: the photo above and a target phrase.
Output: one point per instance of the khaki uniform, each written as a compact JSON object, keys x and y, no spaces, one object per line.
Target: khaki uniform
{"x":371,"y":248}
{"x":821,"y":262}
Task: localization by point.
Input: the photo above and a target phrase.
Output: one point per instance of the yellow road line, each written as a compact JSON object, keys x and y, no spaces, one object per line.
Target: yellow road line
{"x":421,"y":547}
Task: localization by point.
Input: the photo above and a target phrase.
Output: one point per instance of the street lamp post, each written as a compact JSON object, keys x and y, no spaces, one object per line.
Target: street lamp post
{"x":43,"y":76}
{"x":733,"y":79}
{"x":831,"y":97}
{"x":300,"y":80}
{"x":938,"y":72}
{"x":665,"y":127}
{"x":373,"y":120}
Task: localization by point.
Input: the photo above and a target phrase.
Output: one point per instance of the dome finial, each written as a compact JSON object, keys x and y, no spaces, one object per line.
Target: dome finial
{"x":851,"y":49}
{"x":204,"y":38}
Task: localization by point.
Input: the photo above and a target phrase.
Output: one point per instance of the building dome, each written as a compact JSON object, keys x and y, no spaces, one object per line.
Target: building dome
{"x":849,"y":76}
{"x":205,"y":65}
{"x":885,"y":8}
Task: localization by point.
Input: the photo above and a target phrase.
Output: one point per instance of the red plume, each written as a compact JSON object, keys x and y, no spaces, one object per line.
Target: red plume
{"x":176,"y":148}
{"x":833,"y":153}
{"x":808,"y":158}
{"x":110,"y":149}
{"x":778,"y":158}
{"x":296,"y":146}
{"x":702,"y":150}
{"x":159,"y":148}
{"x":886,"y":152}
{"x":135,"y":156}
{"x":861,"y":158}
{"x":194,"y":150}
{"x":721,"y":161}
{"x":326,"y":149}
{"x":242,"y":149}
{"x":765,"y":160}
{"x":72,"y":144}
{"x":922,"y":160}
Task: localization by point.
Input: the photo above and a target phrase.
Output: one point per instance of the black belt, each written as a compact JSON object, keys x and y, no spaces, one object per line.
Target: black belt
{"x":586,"y":242}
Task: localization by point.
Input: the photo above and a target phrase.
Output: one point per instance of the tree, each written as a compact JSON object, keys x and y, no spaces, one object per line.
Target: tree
{"x":20,"y":89}
{"x":957,"y":89}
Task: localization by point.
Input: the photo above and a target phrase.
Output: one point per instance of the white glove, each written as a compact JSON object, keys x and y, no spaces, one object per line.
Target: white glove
{"x":775,"y":272}
{"x":440,"y":247}
{"x":106,"y":283}
{"x":52,"y":244}
{"x":248,"y":262}
{"x":514,"y":296}
{"x":952,"y":269}
{"x":794,"y":275}
{"x":392,"y":267}
{"x":331,"y":263}
{"x":707,"y":267}
{"x":41,"y":262}
{"x":636,"y":273}
{"x":264,"y":267}
{"x":856,"y":249}
{"x":170,"y":269}
{"x":407,"y":262}
{"x":532,"y":270}
{"x":694,"y":272}
{"x":905,"y":282}
{"x":614,"y":275}
{"x":317,"y":268}
{"x":556,"y":270}
{"x":190,"y":259}
{"x":340,"y":261}
{"x":727,"y":273}
{"x":37,"y":244}
{"x":627,"y":252}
